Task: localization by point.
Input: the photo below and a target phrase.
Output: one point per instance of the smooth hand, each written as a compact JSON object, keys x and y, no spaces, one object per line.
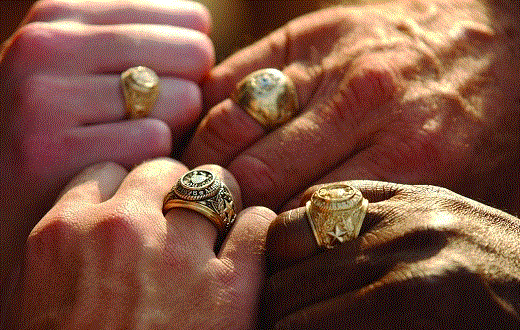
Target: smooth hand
{"x":62,"y":106}
{"x":105,"y":257}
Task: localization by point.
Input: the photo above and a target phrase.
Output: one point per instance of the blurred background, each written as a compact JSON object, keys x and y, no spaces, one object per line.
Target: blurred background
{"x":236,"y":23}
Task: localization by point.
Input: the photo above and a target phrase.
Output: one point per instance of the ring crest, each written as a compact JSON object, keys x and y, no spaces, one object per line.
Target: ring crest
{"x":203,"y":192}
{"x":197,"y":185}
{"x":140,"y":87}
{"x":267,"y":95}
{"x":335,"y":213}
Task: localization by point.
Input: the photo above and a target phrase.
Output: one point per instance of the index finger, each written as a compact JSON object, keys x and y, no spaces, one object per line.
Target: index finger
{"x":188,"y":14}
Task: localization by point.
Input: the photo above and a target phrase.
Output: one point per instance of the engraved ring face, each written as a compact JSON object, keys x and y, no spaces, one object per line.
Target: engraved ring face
{"x":203,"y":192}
{"x":268,"y":95}
{"x":197,"y":185}
{"x":143,"y":78}
{"x":335,"y":213}
{"x":336,"y":197}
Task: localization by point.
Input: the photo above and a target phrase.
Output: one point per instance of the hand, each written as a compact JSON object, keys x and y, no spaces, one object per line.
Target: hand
{"x":411,"y":92}
{"x":105,"y":256}
{"x":426,"y":258}
{"x":61,"y":103}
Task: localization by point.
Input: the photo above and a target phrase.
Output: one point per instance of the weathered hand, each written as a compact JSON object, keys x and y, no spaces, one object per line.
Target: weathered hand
{"x":410,"y":92}
{"x":426,"y":258}
{"x":105,"y":256}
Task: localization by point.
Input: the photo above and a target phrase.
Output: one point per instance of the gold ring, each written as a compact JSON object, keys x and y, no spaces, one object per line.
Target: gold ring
{"x":267,"y":95}
{"x":203,"y":192}
{"x":336,"y":212}
{"x":140,"y":89}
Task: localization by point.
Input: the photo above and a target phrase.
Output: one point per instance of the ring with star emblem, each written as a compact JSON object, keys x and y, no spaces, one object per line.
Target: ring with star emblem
{"x":203,"y":192}
{"x":335,"y":213}
{"x":267,"y":95}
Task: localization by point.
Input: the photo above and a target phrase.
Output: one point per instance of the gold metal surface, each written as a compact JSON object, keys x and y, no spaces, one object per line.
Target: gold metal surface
{"x":140,"y":87}
{"x":335,"y":213}
{"x":268,"y":95}
{"x":203,"y":192}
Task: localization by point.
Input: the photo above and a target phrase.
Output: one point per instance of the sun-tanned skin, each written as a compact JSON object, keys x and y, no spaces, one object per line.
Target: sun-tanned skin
{"x":407,"y":91}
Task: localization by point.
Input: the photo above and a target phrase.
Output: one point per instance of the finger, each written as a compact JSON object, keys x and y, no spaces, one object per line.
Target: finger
{"x":301,"y":41}
{"x":187,"y":14}
{"x":227,"y":129}
{"x":379,"y":162}
{"x":321,"y":137}
{"x":291,"y":239}
{"x":285,"y":293}
{"x":127,"y":143}
{"x":243,"y":253}
{"x":72,"y":48}
{"x":95,"y":184}
{"x":395,"y":241}
{"x":223,"y":132}
{"x":355,"y":264}
{"x":50,"y":272}
{"x":93,"y":99}
{"x":150,"y":181}
{"x":193,"y":232}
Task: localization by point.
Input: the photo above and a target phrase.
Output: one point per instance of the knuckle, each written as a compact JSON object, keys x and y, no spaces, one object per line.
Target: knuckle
{"x":190,"y":101}
{"x":363,"y":91}
{"x":179,"y":258}
{"x":39,"y":156}
{"x":46,"y":10}
{"x":35,"y":97}
{"x":222,"y":130}
{"x":32,"y":40}
{"x":193,"y":98}
{"x":50,"y":239}
{"x":201,"y":18}
{"x":118,"y":231}
{"x":157,"y":135}
{"x":202,"y":54}
{"x":282,"y":243}
{"x":413,"y":159}
{"x":257,"y":179}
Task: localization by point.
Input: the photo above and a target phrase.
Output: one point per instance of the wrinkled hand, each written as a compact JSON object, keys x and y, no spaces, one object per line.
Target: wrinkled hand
{"x":410,"y":92}
{"x":426,"y":258}
{"x":105,"y":256}
{"x":61,"y":103}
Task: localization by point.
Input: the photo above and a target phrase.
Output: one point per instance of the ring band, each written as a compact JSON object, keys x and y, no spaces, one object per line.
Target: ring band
{"x":335,"y":213}
{"x":267,"y":95}
{"x":203,"y":192}
{"x":140,"y":87}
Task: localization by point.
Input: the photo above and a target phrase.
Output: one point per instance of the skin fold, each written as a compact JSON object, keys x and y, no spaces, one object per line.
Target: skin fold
{"x":426,"y":258}
{"x":424,"y":94}
{"x":410,"y":92}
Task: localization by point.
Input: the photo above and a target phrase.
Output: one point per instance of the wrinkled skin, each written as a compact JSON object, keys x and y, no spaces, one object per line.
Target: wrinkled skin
{"x":426,"y":258}
{"x":61,"y":103}
{"x":105,"y":257}
{"x":417,"y":92}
